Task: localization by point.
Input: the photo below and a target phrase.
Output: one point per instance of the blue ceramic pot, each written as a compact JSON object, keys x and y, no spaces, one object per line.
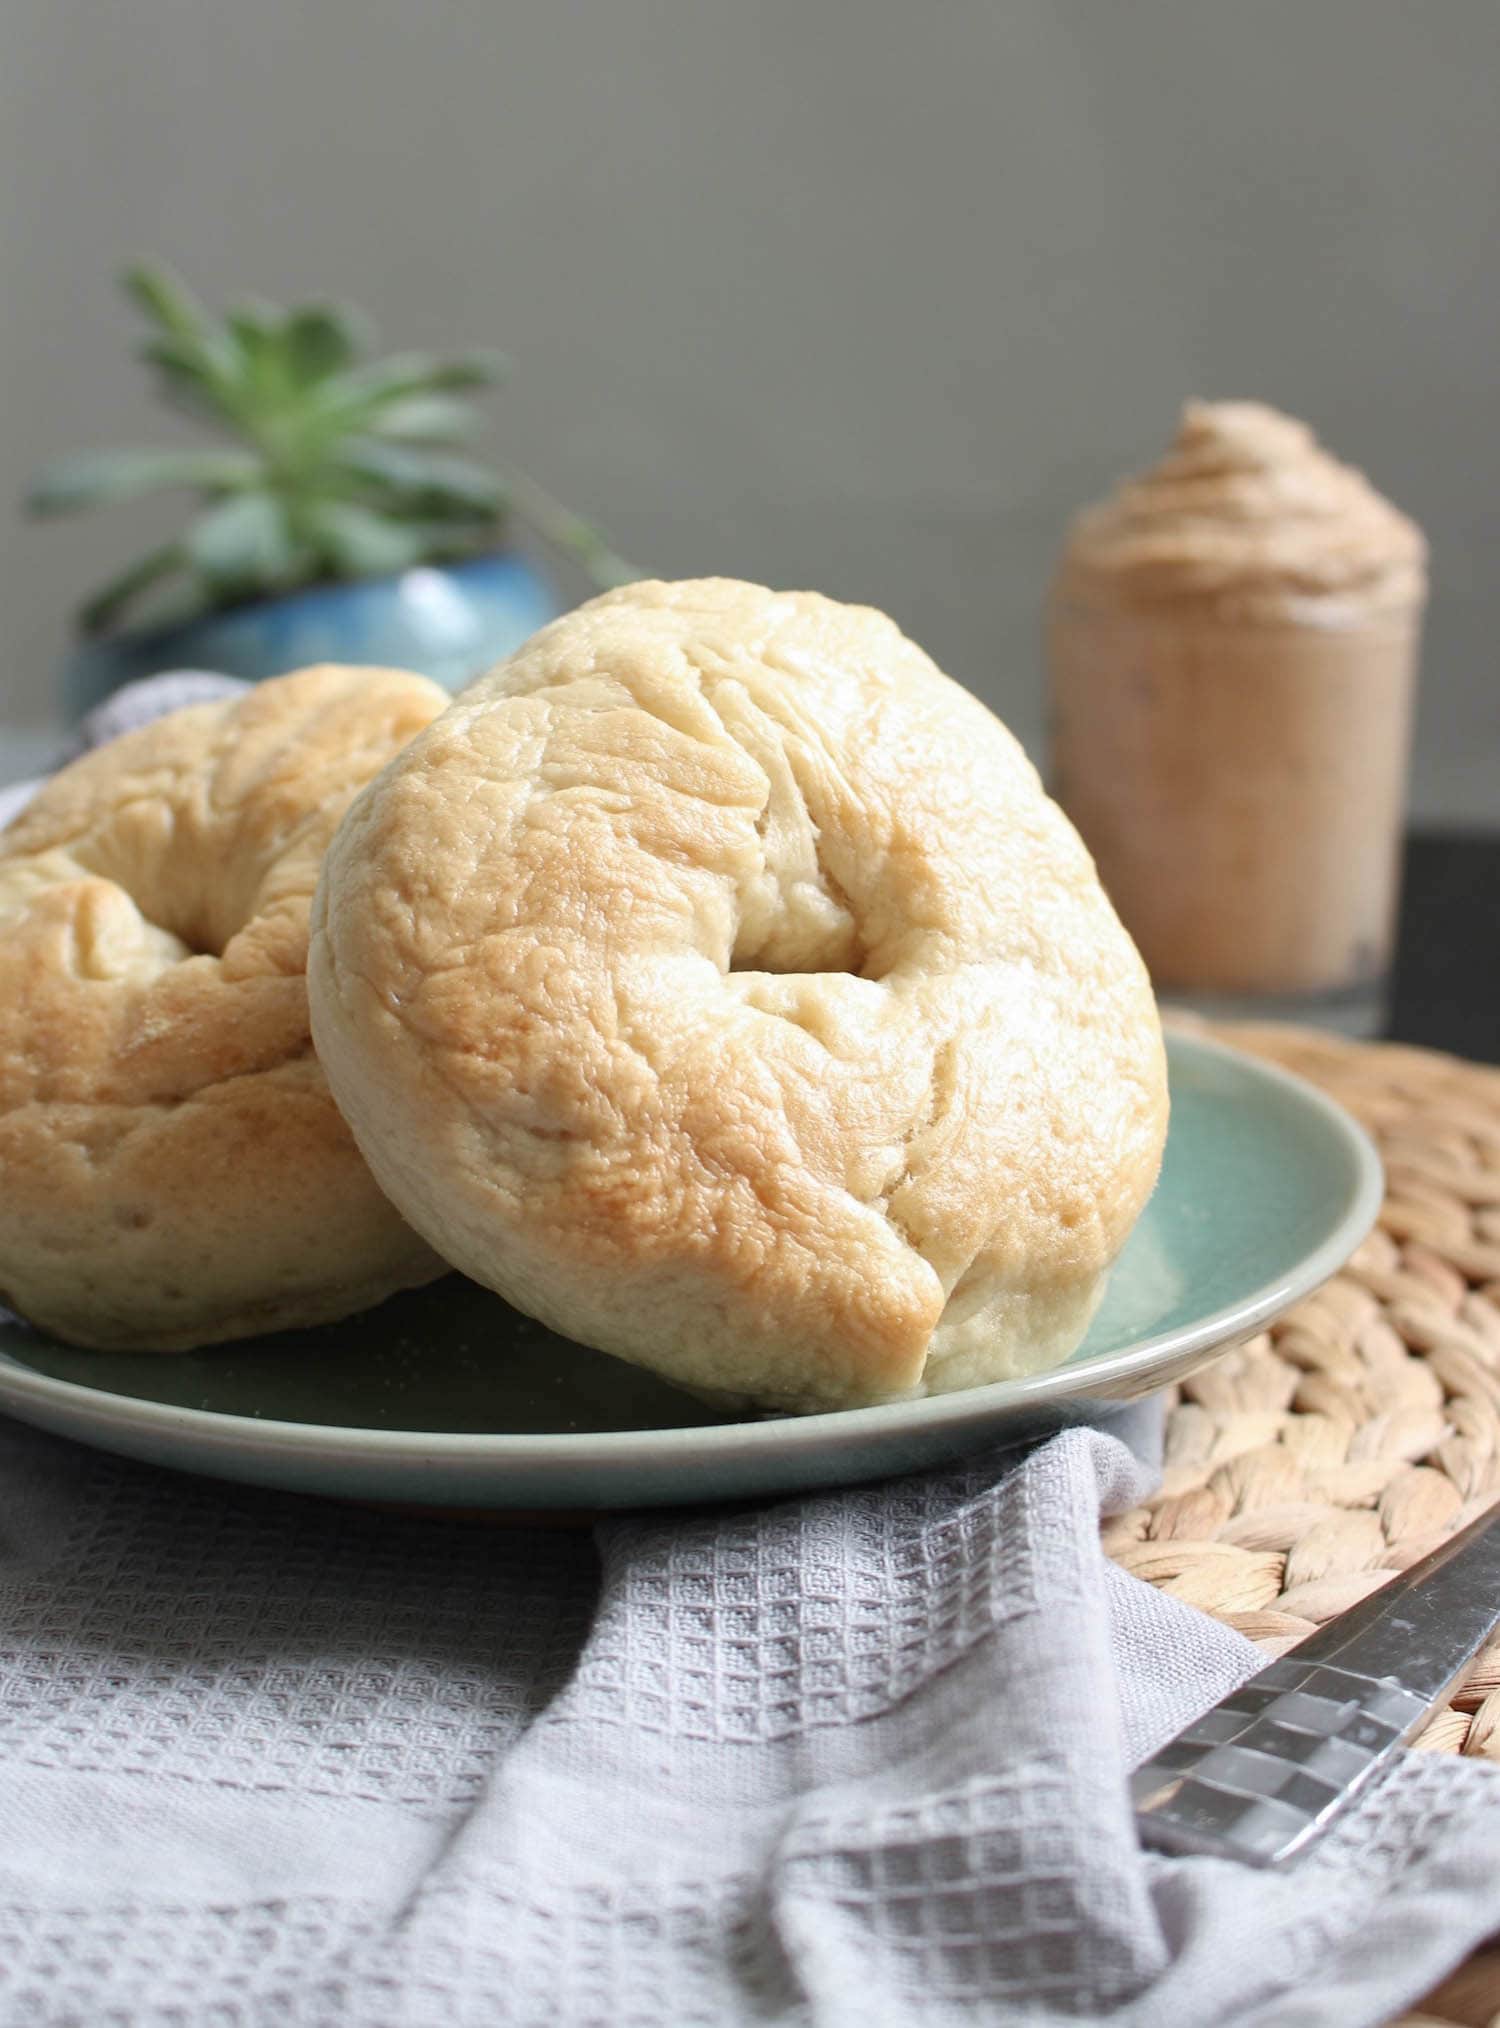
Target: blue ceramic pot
{"x":448,"y":621}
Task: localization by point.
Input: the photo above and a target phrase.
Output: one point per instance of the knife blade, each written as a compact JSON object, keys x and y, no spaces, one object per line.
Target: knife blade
{"x":1263,"y":1773}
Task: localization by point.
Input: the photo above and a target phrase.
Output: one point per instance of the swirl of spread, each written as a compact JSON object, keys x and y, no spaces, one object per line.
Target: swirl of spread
{"x":1248,"y":515}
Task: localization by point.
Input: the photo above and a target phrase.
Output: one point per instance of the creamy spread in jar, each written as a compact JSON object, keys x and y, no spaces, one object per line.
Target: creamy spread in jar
{"x":1232,"y":642}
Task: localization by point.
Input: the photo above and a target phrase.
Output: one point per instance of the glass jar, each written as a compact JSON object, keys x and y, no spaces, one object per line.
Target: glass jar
{"x":1241,"y":785}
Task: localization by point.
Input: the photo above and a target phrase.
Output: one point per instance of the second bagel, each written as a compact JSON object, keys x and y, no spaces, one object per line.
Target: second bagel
{"x":173,"y":1171}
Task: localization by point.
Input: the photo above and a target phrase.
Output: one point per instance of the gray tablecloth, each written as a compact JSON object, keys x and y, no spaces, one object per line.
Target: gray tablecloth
{"x":856,"y":1759}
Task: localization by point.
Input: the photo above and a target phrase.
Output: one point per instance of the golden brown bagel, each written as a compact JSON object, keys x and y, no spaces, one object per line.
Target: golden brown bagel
{"x":716,"y":982}
{"x":172,"y":1168}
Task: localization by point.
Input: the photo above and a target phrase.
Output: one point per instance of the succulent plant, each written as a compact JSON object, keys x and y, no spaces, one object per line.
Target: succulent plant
{"x":337,"y":465}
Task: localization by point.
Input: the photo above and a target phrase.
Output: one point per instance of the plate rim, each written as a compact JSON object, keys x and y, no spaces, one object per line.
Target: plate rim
{"x":216,"y":1429}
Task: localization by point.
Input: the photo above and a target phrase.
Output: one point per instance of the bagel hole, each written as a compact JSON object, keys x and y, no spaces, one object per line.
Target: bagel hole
{"x":193,"y":935}
{"x":843,"y":949}
{"x":851,"y":967}
{"x":186,"y":918}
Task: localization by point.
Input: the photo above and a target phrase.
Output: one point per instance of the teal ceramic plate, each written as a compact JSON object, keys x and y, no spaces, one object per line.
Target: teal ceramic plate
{"x":446,"y":1397}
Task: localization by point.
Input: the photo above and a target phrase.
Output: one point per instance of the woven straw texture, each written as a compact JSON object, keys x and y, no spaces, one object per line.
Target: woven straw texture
{"x":1306,"y":1468}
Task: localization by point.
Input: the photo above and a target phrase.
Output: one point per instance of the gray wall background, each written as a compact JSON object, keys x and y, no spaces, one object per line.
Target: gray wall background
{"x":855,"y":294}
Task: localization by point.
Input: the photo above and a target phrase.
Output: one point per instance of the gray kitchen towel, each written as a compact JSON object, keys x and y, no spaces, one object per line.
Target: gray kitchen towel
{"x":860,"y":1758}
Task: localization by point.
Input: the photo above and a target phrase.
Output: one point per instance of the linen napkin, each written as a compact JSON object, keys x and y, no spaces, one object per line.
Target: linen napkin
{"x":858,"y":1758}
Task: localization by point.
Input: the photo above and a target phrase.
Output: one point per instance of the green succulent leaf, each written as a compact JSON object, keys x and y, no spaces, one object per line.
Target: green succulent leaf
{"x":424,"y":484}
{"x":256,"y":325}
{"x":187,"y":383}
{"x":167,"y":301}
{"x":339,"y":464}
{"x":426,"y":418}
{"x":323,"y":339}
{"x":253,"y":341}
{"x":201,"y":358}
{"x":92,"y":478}
{"x":243,"y":545}
{"x":422,"y":373}
{"x":106,"y":605}
{"x":365,"y":390}
{"x":358,"y":542}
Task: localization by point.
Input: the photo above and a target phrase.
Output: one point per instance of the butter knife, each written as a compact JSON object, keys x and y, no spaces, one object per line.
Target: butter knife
{"x":1259,"y":1776}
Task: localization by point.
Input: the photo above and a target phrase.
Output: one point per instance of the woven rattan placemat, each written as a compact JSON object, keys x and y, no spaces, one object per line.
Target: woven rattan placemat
{"x":1305,"y":1468}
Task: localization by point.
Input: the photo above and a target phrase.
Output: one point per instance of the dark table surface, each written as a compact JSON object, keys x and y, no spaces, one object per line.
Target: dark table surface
{"x":1447,"y":986}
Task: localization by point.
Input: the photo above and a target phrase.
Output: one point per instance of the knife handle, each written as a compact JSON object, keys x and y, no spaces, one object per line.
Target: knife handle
{"x":1259,"y":1776}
